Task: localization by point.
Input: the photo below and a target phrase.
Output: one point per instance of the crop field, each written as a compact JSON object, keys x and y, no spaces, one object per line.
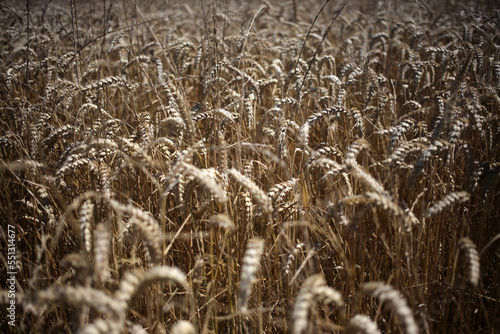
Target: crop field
{"x":250,"y":166}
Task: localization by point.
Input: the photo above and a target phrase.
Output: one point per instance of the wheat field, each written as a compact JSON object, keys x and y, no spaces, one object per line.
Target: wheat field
{"x":250,"y":166}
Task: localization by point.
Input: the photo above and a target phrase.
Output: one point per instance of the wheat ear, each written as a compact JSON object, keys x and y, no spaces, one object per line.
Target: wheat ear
{"x":361,"y":324}
{"x":397,"y":304}
{"x":102,"y":239}
{"x":304,"y":302}
{"x":136,"y":280}
{"x":183,"y":327}
{"x":146,"y":225}
{"x":257,"y":194}
{"x":448,"y":201}
{"x":80,"y":295}
{"x":85,"y":220}
{"x":102,"y":326}
{"x":207,"y":180}
{"x":223,"y":221}
{"x":251,"y":262}
{"x":471,"y":259}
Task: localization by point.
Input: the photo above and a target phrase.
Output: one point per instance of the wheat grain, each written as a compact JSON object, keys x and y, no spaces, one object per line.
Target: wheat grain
{"x":399,"y":130}
{"x":107,"y":82}
{"x":278,"y":191}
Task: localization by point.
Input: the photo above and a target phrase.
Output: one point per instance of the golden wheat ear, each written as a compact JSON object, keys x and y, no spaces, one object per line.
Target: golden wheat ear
{"x":204,"y":177}
{"x":447,"y":202}
{"x":251,"y":263}
{"x":146,"y":225}
{"x":304,"y":302}
{"x":102,"y":326}
{"x":223,"y":221}
{"x":397,"y":304}
{"x":257,"y":194}
{"x":102,"y":239}
{"x":314,"y":290}
{"x":183,"y":327}
{"x":133,"y":282}
{"x":469,"y":250}
{"x":361,"y":324}
{"x":99,"y":301}
{"x":85,"y":221}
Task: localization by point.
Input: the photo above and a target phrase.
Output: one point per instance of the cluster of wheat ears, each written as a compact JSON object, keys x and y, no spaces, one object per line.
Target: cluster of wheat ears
{"x":245,"y":167}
